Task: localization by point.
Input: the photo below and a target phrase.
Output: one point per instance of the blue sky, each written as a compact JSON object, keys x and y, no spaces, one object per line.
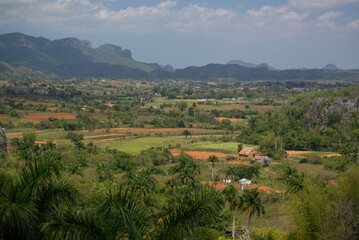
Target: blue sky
{"x":283,"y":33}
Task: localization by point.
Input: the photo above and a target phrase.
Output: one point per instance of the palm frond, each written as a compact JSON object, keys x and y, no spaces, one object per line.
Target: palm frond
{"x":184,"y":219}
{"x":124,"y":213}
{"x":75,"y":226}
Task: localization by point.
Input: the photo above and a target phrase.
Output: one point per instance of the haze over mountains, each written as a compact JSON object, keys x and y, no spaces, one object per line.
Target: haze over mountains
{"x":71,"y":57}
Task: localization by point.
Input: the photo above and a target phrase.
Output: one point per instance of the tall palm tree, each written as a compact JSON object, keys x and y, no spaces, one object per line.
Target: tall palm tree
{"x":252,"y":204}
{"x":212,"y":159}
{"x":235,"y":201}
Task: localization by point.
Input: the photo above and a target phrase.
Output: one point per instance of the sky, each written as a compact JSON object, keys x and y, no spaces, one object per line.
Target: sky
{"x":283,"y":33}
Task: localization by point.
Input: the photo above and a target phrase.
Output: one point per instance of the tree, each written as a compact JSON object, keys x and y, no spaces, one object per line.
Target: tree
{"x":30,"y":199}
{"x":239,"y":148}
{"x":212,"y":159}
{"x":185,"y":218}
{"x":231,"y":172}
{"x":186,"y":168}
{"x":120,"y":215}
{"x":235,"y":201}
{"x":186,"y":133}
{"x":252,"y":204}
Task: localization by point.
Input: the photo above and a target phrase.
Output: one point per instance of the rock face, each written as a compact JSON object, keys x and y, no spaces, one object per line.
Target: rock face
{"x":3,"y":143}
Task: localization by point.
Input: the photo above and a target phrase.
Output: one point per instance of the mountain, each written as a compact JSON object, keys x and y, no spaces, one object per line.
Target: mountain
{"x":71,"y":57}
{"x":215,"y":71}
{"x":251,"y":65}
{"x":330,"y":66}
{"x":42,"y":54}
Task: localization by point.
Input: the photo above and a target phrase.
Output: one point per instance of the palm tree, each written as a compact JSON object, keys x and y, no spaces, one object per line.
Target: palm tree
{"x":122,"y":216}
{"x":184,"y":219}
{"x":186,"y":133}
{"x":235,"y":201}
{"x":28,"y":200}
{"x":186,"y":168}
{"x":252,"y":204}
{"x":212,"y":159}
{"x":231,"y":172}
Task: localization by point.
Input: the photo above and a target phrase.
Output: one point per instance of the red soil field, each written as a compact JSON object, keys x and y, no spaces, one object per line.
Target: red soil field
{"x":28,"y":103}
{"x":4,"y":115}
{"x":263,"y":106}
{"x":230,"y":119}
{"x":199,"y":154}
{"x":51,"y":109}
{"x":292,"y":152}
{"x":35,"y":116}
{"x":222,"y":186}
{"x":237,"y":162}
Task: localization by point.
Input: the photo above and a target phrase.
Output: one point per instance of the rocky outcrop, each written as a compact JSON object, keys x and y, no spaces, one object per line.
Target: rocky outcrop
{"x":3,"y":142}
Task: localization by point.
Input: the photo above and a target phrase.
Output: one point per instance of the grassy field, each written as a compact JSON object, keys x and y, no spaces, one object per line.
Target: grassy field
{"x":136,"y":145}
{"x":225,"y":147}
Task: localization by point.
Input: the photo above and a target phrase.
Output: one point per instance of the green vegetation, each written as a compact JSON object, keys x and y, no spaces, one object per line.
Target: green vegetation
{"x":125,"y":159}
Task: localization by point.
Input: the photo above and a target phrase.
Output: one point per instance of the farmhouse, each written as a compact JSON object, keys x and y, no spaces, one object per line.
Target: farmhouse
{"x":249,"y":152}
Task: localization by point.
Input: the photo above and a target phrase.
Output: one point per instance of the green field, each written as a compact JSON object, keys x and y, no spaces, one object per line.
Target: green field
{"x":225,"y":147}
{"x":138,"y":144}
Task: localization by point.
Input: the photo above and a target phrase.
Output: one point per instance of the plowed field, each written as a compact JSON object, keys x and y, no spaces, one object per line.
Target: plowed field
{"x":36,"y":116}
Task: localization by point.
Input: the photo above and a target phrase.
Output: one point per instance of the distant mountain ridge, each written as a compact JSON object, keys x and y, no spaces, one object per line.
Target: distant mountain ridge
{"x":42,"y":54}
{"x":71,"y":57}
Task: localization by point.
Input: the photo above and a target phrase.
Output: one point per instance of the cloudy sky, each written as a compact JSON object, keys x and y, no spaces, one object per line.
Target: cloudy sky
{"x":282,"y":33}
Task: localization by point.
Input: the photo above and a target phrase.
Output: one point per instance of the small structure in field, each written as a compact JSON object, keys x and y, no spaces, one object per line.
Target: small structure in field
{"x":249,"y":152}
{"x":243,"y":182}
{"x":263,"y":159}
{"x":227,"y":180}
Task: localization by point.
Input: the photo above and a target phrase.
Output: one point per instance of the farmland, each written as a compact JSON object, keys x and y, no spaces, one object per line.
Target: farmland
{"x":110,"y":133}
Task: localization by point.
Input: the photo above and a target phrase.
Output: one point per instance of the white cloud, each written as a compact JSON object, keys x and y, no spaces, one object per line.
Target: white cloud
{"x":328,"y":19}
{"x":319,"y":3}
{"x":353,"y":25}
{"x":72,"y":16}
